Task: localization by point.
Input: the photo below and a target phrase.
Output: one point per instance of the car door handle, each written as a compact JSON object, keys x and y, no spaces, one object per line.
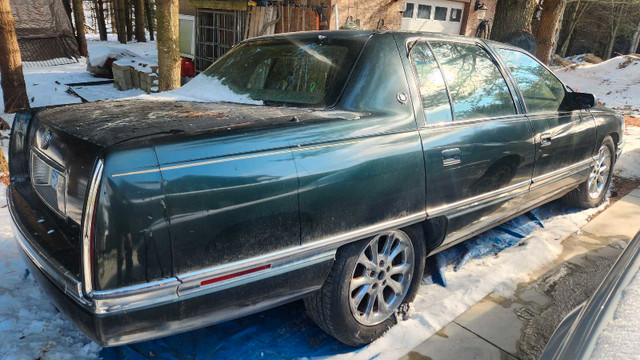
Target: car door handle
{"x":545,"y":139}
{"x":451,"y":156}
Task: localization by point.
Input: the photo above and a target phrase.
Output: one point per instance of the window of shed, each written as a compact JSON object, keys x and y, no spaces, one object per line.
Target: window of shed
{"x":424,"y":12}
{"x":440,"y":14}
{"x":408,"y":11}
{"x":456,"y":15}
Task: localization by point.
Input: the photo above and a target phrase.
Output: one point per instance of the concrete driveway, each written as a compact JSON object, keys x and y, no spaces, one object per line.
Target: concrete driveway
{"x":518,"y":327}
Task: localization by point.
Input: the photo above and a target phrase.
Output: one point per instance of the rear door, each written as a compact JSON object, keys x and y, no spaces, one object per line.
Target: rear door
{"x":478,"y":148}
{"x":565,"y":140}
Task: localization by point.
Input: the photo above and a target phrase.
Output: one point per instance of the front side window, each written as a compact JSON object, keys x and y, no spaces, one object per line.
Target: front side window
{"x":542,"y":92}
{"x":408,"y":11}
{"x":433,"y":91}
{"x":289,"y":71}
{"x":476,"y":85}
{"x":424,"y":12}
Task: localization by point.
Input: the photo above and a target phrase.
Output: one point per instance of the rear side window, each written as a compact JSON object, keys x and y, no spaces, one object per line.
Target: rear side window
{"x":541,"y":91}
{"x":433,"y":91}
{"x":475,"y":83}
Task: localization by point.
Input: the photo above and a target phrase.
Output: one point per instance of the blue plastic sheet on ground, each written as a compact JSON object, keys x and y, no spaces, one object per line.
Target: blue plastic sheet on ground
{"x":287,"y":332}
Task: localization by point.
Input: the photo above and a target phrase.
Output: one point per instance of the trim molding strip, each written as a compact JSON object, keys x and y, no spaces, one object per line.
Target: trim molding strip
{"x":236,"y":158}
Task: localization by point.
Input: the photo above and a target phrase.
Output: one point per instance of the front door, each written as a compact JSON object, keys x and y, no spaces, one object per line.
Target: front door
{"x":478,"y":151}
{"x":565,"y":140}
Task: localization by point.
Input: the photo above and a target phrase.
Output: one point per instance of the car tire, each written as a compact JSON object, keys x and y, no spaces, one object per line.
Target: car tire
{"x":333,"y":308}
{"x":592,"y":191}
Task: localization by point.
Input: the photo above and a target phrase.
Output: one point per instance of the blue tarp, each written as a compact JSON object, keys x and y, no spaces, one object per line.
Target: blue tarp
{"x":287,"y":332}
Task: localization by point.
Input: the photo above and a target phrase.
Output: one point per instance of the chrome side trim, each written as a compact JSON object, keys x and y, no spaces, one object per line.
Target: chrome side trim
{"x":188,"y":285}
{"x":466,"y":205}
{"x":561,"y":173}
{"x":87,"y":224}
{"x":191,"y":287}
{"x":224,"y":159}
{"x":319,"y":246}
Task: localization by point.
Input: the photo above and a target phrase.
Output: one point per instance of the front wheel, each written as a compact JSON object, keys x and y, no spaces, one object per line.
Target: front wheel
{"x":368,"y":283}
{"x":592,"y":192}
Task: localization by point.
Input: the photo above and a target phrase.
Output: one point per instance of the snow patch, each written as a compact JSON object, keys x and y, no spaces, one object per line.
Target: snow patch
{"x":204,"y":88}
{"x":615,"y":82}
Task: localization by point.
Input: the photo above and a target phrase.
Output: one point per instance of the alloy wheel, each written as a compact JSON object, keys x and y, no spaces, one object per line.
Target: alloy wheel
{"x":600,"y":173}
{"x":381,"y":277}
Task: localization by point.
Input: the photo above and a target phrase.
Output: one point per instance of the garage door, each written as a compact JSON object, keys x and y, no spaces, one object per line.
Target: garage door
{"x":433,"y":15}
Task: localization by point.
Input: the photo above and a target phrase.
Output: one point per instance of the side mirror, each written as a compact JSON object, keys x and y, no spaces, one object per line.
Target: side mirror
{"x":578,"y":101}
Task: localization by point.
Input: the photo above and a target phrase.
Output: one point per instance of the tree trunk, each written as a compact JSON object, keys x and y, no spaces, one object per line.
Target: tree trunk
{"x":102,"y":26}
{"x":168,"y":51}
{"x":78,"y":15}
{"x":147,"y":11}
{"x":121,"y":20}
{"x":573,"y":24}
{"x":129,"y":20}
{"x":67,"y":7}
{"x":511,"y":17}
{"x":14,"y":89}
{"x":614,"y":31}
{"x":140,"y":37}
{"x":112,"y":16}
{"x":635,"y":40}
{"x":547,"y":29}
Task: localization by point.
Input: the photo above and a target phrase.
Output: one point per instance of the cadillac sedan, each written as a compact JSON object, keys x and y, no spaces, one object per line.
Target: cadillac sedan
{"x":348,"y":158}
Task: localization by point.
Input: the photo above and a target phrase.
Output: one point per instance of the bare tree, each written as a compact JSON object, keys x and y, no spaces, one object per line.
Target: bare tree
{"x":168,"y":40}
{"x":121,"y":20}
{"x":578,"y":9}
{"x":615,"y":25}
{"x":78,"y":16}
{"x":14,"y":89}
{"x":147,"y":11}
{"x":635,"y":40}
{"x":140,"y":37}
{"x":102,"y":25}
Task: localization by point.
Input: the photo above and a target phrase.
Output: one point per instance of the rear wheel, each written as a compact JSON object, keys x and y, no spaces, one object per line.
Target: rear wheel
{"x":592,"y":192}
{"x":368,"y":283}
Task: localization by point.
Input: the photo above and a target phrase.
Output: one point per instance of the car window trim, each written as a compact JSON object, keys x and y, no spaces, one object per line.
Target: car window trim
{"x":495,"y":62}
{"x":515,"y":83}
{"x":414,"y":71}
{"x":411,"y":42}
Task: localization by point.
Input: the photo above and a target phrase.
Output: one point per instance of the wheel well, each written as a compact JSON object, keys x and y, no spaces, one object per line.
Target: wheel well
{"x":434,"y":230}
{"x":616,"y":139}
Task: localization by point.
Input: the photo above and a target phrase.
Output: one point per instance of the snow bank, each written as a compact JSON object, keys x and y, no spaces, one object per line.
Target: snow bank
{"x":628,"y":165}
{"x":204,"y":89}
{"x":615,"y":82}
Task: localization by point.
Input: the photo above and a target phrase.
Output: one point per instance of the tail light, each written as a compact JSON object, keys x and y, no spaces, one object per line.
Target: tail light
{"x":88,"y":228}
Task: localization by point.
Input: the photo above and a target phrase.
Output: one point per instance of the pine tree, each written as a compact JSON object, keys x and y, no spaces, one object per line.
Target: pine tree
{"x":13,"y":87}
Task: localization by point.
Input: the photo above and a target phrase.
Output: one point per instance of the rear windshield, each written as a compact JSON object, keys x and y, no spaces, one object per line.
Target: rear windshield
{"x":293,"y":71}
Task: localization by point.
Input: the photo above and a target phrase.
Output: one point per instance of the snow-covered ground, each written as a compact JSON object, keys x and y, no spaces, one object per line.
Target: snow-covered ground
{"x":30,"y":327}
{"x":615,"y":82}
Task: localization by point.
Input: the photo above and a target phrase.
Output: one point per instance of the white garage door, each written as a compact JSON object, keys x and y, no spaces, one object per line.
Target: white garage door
{"x":433,"y":15}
